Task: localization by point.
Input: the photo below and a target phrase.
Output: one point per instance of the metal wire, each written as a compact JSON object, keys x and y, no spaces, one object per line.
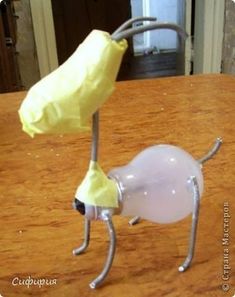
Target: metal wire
{"x":212,"y":151}
{"x":95,"y":136}
{"x":112,"y":247}
{"x":195,"y":215}
{"x":131,"y":21}
{"x":135,"y":220}
{"x":153,"y":26}
{"x":84,"y":246}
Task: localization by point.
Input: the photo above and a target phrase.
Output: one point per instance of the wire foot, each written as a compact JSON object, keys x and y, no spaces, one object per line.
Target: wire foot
{"x":134,"y":220}
{"x":84,"y":246}
{"x":212,"y":151}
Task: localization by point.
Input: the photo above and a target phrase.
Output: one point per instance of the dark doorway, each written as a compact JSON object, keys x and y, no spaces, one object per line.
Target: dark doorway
{"x":74,"y":20}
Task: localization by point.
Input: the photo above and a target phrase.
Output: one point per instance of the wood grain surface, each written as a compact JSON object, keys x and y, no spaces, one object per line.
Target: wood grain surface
{"x":38,"y":179}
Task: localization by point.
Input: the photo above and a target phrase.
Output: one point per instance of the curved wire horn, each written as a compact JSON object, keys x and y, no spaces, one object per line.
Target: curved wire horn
{"x":132,"y":21}
{"x":153,"y":26}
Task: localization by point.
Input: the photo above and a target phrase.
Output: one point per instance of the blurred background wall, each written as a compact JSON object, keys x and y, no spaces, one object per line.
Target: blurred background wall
{"x":228,"y":63}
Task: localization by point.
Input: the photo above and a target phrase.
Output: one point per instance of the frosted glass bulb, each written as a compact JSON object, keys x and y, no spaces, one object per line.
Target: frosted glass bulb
{"x":155,"y":184}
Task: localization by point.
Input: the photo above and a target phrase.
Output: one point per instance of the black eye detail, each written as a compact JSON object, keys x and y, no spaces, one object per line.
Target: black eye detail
{"x":79,"y":206}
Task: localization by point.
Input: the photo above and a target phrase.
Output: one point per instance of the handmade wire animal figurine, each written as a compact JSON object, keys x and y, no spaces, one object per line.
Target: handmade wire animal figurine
{"x":163,"y":178}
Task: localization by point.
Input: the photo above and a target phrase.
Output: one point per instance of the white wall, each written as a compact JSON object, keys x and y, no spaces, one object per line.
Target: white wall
{"x":27,"y":58}
{"x":137,"y":10}
{"x":229,"y":39}
{"x":165,"y":11}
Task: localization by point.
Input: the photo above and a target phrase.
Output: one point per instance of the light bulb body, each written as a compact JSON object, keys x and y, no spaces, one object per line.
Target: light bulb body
{"x":156,"y":184}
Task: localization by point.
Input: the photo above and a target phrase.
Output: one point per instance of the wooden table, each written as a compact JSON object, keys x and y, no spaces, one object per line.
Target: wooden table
{"x":38,"y":178}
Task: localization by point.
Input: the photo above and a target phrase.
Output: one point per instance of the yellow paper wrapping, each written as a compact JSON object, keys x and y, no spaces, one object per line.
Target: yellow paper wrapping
{"x":97,"y":189}
{"x":64,"y":101}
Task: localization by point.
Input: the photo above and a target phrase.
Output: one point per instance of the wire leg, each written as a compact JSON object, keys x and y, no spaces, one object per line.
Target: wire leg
{"x":134,"y":220}
{"x":112,"y":246}
{"x":195,"y":214}
{"x":83,"y":247}
{"x":212,"y":152}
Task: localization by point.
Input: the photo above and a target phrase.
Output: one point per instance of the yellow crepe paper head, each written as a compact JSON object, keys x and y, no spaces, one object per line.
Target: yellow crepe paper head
{"x":64,"y":101}
{"x":97,"y":189}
